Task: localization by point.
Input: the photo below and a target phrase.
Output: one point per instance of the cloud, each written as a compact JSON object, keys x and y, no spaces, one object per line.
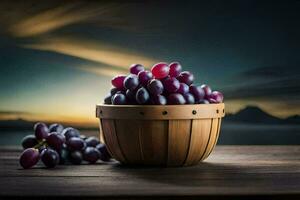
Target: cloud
{"x":60,"y":16}
{"x":103,"y":71}
{"x":92,"y":51}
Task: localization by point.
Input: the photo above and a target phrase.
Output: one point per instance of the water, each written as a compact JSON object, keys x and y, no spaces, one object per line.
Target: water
{"x":231,"y":133}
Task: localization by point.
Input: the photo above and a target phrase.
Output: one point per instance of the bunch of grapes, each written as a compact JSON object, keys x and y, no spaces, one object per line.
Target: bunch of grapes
{"x":55,"y":145}
{"x":164,"y":84}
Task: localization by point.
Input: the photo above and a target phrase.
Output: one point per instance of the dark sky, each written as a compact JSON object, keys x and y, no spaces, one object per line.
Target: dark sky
{"x":57,"y":57}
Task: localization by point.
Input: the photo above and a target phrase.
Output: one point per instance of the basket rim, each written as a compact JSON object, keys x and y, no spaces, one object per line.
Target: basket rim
{"x":160,"y":112}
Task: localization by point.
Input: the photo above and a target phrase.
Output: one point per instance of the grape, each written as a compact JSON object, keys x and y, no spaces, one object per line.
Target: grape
{"x":107,"y":99}
{"x":55,"y":141}
{"x":175,"y":69}
{"x":158,"y":100}
{"x":198,"y":92}
{"x":160,"y":70}
{"x":117,"y":81}
{"x":155,"y":87}
{"x":104,"y":154}
{"x":211,"y":100}
{"x":183,"y":88}
{"x":113,"y":91}
{"x":145,"y":77}
{"x":50,"y":158}
{"x":63,"y":156}
{"x":70,"y":132}
{"x":176,"y":98}
{"x":91,"y":154}
{"x":29,"y":158}
{"x":41,"y":131}
{"x":29,"y":141}
{"x":189,"y":98}
{"x":136,"y":68}
{"x":75,"y":157}
{"x":131,"y":82}
{"x":142,"y":96}
{"x":206,"y":90}
{"x":76,"y":144}
{"x":203,"y":101}
{"x":217,"y":96}
{"x":186,"y":77}
{"x":92,"y":141}
{"x":119,"y":99}
{"x":56,"y":128}
{"x":130,"y":95}
{"x":171,"y":85}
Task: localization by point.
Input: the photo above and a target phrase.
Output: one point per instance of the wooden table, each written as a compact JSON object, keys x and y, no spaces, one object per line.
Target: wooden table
{"x":231,"y":172}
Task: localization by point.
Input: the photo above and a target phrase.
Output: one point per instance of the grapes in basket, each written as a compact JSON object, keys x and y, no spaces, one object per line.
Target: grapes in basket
{"x":56,"y":145}
{"x":164,"y":84}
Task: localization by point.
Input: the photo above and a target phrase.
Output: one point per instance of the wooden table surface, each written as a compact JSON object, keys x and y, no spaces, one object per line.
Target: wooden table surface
{"x":231,"y":172}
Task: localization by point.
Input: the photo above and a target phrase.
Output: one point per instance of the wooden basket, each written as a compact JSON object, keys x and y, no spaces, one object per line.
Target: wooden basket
{"x":172,"y":135}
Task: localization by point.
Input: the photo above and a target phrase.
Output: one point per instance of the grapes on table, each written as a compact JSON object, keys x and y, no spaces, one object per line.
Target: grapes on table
{"x":164,"y":84}
{"x":65,"y":147}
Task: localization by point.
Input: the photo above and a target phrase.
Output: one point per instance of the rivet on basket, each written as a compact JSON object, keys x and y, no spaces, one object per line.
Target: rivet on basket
{"x":164,"y":112}
{"x":194,"y":112}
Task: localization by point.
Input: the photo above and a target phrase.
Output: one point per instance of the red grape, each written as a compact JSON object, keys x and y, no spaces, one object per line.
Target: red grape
{"x":189,"y":98}
{"x":176,"y":98}
{"x":217,"y":96}
{"x":175,"y":69}
{"x":50,"y":158}
{"x":160,"y":70}
{"x":41,"y":131}
{"x":136,"y":68}
{"x":155,"y":87}
{"x":145,"y":77}
{"x":186,"y":77}
{"x":198,"y":92}
{"x":119,"y":99}
{"x":29,"y":141}
{"x":158,"y":100}
{"x":29,"y":158}
{"x":206,"y":90}
{"x":131,"y":82}
{"x":183,"y":88}
{"x":171,"y":85}
{"x":142,"y":96}
{"x":117,"y":81}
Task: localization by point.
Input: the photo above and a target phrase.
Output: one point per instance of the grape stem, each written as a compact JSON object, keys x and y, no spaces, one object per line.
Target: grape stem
{"x":41,"y":143}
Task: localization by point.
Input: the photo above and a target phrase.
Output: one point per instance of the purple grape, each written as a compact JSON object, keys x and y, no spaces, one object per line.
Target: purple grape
{"x":92,"y":141}
{"x":56,"y":128}
{"x":158,"y":100}
{"x":203,"y":101}
{"x":186,"y":77}
{"x":117,"y":81}
{"x":198,"y":92}
{"x":55,"y":141}
{"x":171,"y":85}
{"x":41,"y":131}
{"x":119,"y":99}
{"x":29,"y":141}
{"x":189,"y":98}
{"x":131,"y":82}
{"x":75,"y":157}
{"x":207,"y":90}
{"x":145,"y":77}
{"x":104,"y":154}
{"x":175,"y":69}
{"x":70,"y":132}
{"x":183,"y":88}
{"x":29,"y":158}
{"x":107,"y":99}
{"x":211,"y":100}
{"x":91,"y":155}
{"x":136,"y":68}
{"x":160,"y":70}
{"x":176,"y":98}
{"x":142,"y":96}
{"x":217,"y":96}
{"x":113,"y":91}
{"x":155,"y":87}
{"x":63,"y":156}
{"x":50,"y":158}
{"x":76,"y":144}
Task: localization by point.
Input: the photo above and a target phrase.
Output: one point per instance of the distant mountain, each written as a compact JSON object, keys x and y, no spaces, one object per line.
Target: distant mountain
{"x":18,"y":124}
{"x":252,"y":114}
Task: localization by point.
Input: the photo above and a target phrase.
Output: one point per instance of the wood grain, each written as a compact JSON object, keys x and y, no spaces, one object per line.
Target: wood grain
{"x":231,"y":172}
